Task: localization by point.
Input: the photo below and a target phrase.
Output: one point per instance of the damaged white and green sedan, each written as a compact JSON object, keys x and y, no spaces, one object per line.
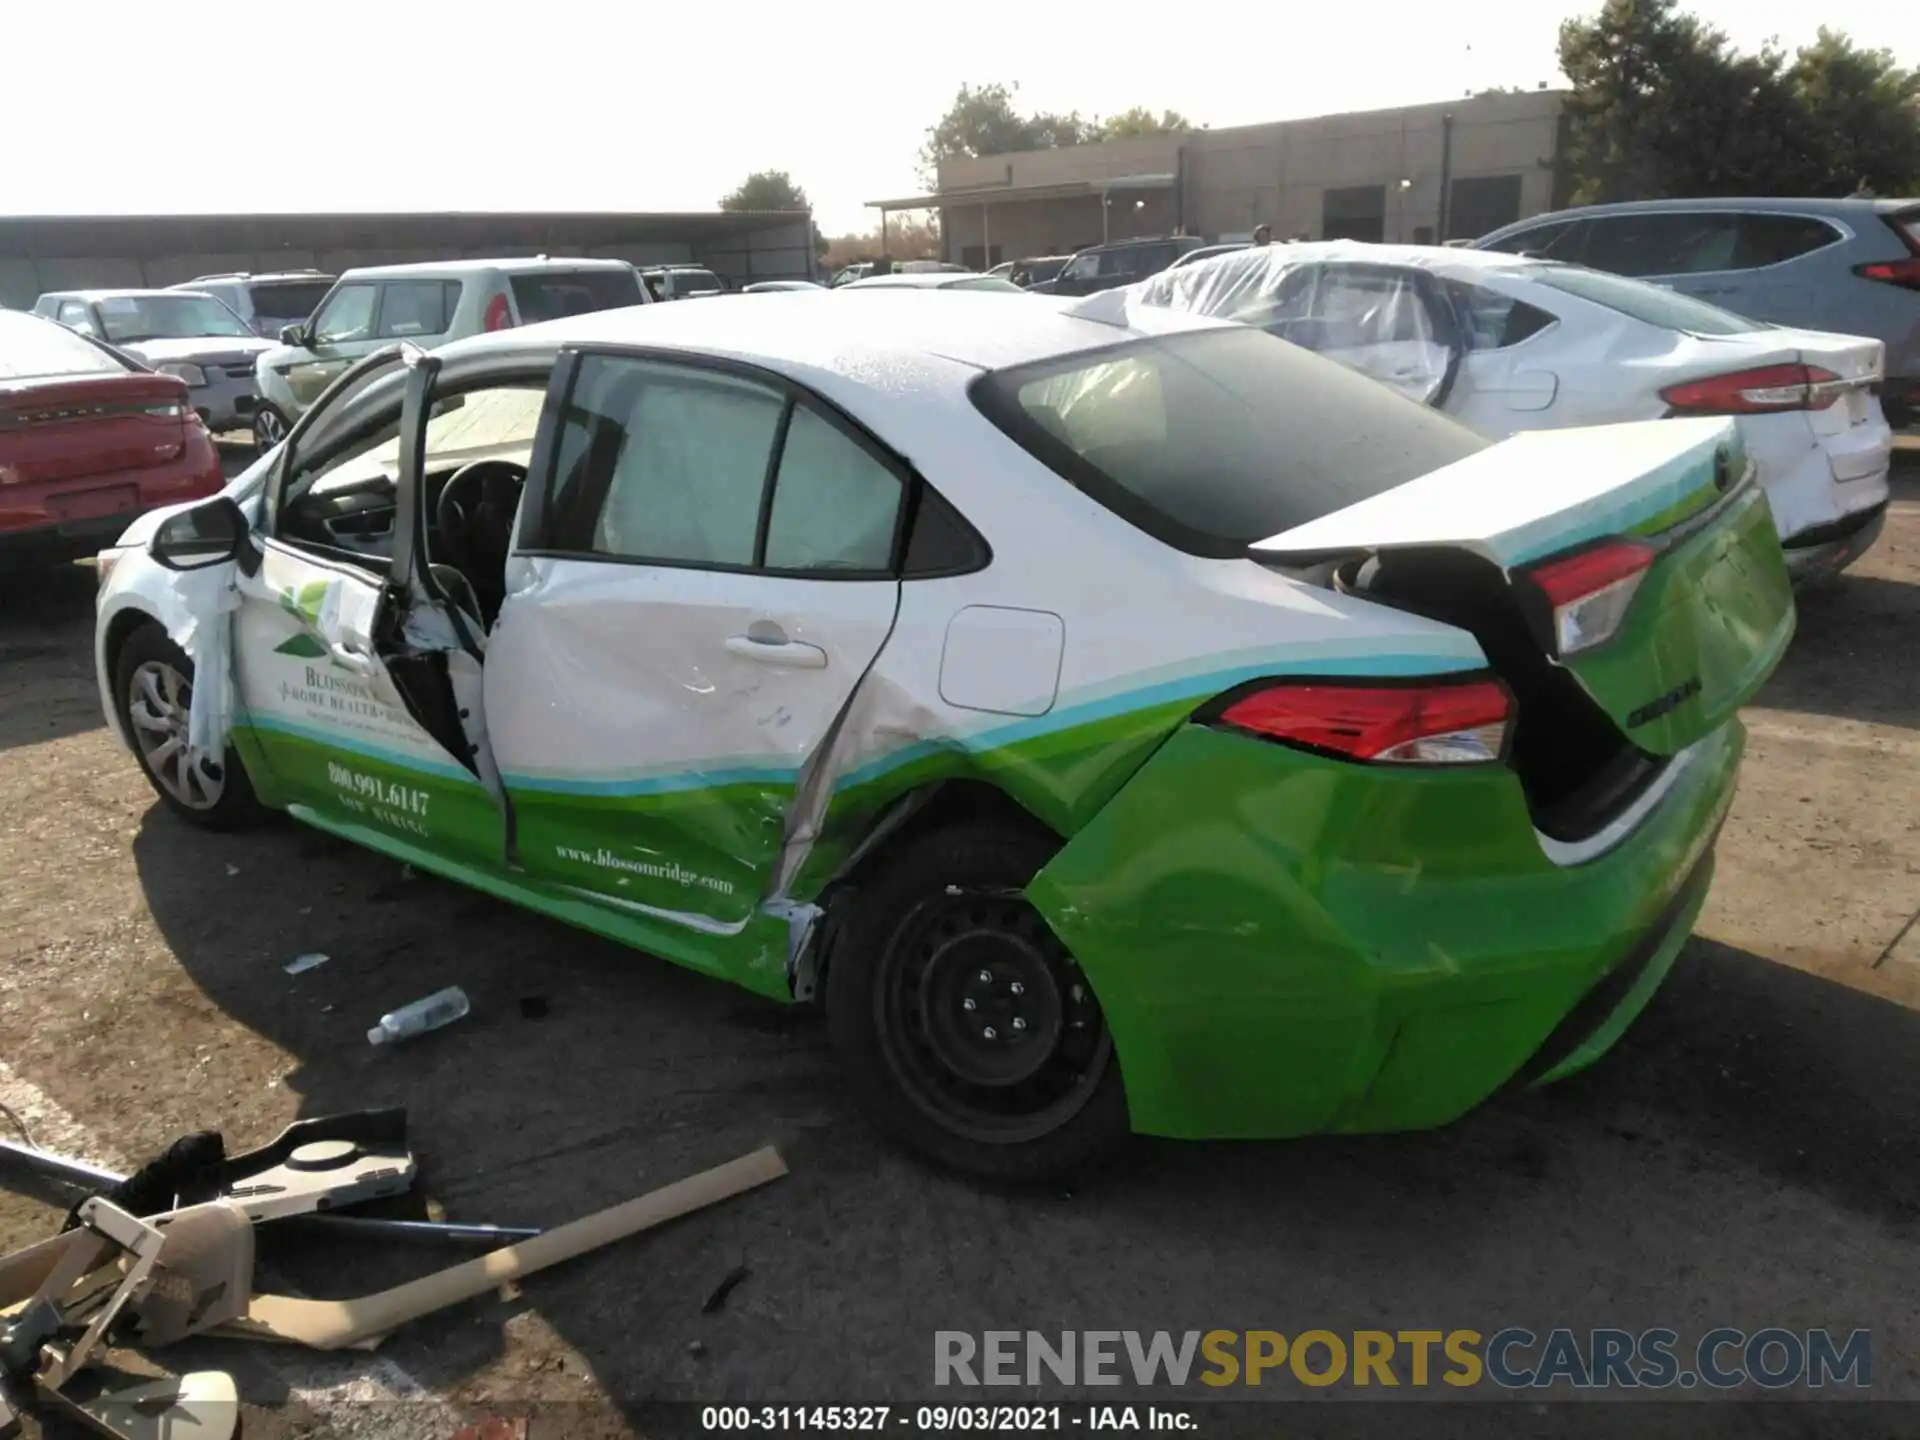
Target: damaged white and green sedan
{"x":1129,"y":724}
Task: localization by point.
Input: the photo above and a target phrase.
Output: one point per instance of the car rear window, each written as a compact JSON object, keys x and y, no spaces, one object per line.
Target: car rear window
{"x":290,"y":301}
{"x":552,"y":294}
{"x":1651,"y":304}
{"x":1212,"y":440}
{"x":34,"y":349}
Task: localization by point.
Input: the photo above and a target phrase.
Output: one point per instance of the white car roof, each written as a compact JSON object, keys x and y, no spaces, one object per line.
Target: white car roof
{"x":461,"y":269}
{"x":913,"y":280}
{"x":820,"y":331}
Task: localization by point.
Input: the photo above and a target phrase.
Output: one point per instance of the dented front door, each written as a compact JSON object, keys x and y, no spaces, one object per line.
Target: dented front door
{"x":706,"y":575}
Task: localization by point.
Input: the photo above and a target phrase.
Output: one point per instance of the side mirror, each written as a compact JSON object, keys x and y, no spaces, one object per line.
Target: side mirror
{"x":293,"y":335}
{"x":211,"y":533}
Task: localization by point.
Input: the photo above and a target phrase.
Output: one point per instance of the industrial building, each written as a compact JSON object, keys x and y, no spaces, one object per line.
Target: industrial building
{"x":1417,"y":174}
{"x":73,"y":252}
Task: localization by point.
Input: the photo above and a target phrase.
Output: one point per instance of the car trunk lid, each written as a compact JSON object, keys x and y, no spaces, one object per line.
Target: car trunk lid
{"x":1481,"y":542}
{"x":75,"y":427}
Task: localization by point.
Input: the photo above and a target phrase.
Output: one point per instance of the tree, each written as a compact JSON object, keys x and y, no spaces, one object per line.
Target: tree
{"x":982,"y":121}
{"x":1663,"y":105}
{"x":766,"y":190}
{"x":908,"y":238}
{"x":1863,"y":111}
{"x":1142,"y":121}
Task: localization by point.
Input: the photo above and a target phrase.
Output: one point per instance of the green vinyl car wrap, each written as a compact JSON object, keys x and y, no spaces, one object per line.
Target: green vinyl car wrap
{"x":1144,"y":726}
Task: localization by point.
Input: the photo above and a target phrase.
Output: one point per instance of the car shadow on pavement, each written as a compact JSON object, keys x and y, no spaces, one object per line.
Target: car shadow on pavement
{"x":1755,"y":1111}
{"x":1835,"y":665}
{"x":47,"y":687}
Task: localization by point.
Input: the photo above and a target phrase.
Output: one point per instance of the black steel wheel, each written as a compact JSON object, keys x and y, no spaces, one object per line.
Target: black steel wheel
{"x":969,"y":1030}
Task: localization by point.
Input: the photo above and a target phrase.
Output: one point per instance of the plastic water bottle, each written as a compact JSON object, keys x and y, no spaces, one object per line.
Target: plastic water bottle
{"x":443,"y":1007}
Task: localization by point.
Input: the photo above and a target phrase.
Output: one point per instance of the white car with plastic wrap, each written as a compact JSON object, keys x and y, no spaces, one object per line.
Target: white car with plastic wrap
{"x":1506,"y":343}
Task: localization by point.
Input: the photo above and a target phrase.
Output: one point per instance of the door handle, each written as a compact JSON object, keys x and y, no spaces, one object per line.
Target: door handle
{"x":358,"y":661}
{"x":793,"y":654}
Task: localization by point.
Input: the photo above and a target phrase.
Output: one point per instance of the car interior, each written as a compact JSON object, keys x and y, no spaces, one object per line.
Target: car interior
{"x":478,"y":448}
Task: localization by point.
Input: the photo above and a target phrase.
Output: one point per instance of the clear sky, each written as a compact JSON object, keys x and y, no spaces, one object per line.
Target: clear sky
{"x":572,"y":105}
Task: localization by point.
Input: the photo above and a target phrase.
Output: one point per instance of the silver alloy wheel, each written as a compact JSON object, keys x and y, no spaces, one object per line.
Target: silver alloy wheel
{"x":268,"y":428}
{"x":158,"y":702}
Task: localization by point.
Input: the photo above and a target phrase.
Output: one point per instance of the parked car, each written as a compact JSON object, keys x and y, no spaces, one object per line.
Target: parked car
{"x":429,"y":304}
{"x":174,"y":332}
{"x":88,"y":441}
{"x":1036,"y":268}
{"x":682,"y":282}
{"x":1849,"y":266}
{"x":770,"y":287}
{"x":936,"y":280}
{"x":268,"y":303}
{"x":1122,"y":727}
{"x":1107,"y":267}
{"x":861,"y":269}
{"x":1505,"y":343}
{"x":1002,"y":271}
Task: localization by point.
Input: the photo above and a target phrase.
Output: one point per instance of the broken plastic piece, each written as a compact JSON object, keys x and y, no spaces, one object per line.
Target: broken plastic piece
{"x":441,"y":1008}
{"x":200,"y":1405}
{"x":205,"y":1277}
{"x":348,"y":1324}
{"x":302,"y":963}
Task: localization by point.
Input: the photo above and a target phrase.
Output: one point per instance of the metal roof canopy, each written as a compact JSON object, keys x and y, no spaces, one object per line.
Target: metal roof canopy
{"x":1010,"y":194}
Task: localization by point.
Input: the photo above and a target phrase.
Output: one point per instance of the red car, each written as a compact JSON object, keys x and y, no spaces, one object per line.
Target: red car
{"x":88,"y":441}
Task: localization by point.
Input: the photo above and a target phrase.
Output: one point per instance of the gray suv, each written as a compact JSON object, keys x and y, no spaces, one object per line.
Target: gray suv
{"x":1848,"y":266}
{"x":268,"y":303}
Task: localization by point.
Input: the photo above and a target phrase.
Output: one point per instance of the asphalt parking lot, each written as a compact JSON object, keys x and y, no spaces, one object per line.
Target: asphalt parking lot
{"x":1745,"y":1157}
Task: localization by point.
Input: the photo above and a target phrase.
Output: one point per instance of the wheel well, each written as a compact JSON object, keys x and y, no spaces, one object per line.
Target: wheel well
{"x":121,"y":629}
{"x":936,"y":807}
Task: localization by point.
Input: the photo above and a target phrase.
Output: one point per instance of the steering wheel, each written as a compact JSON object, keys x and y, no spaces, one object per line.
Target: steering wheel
{"x":474,"y":522}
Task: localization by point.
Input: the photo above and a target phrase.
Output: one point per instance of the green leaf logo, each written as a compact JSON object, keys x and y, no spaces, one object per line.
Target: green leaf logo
{"x":303,"y":646}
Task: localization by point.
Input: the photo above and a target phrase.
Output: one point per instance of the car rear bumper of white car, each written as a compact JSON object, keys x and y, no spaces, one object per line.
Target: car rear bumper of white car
{"x":1823,"y":552}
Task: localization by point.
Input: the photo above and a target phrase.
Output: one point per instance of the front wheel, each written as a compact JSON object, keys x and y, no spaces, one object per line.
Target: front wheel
{"x":153,"y":686}
{"x":965,"y":1027}
{"x":269,"y":427}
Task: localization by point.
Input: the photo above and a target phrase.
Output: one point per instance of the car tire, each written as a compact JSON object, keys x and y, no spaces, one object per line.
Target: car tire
{"x":153,"y":688}
{"x":269,"y":427}
{"x":939,"y":961}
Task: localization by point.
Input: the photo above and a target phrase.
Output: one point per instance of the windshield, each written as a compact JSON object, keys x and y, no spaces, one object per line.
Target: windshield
{"x":132,"y":318}
{"x":1651,"y":304}
{"x":32,"y":349}
{"x":287,"y":302}
{"x":1214,"y":439}
{"x":550,"y":294}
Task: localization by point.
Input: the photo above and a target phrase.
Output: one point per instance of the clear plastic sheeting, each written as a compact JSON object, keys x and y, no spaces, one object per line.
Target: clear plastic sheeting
{"x":1325,"y":298}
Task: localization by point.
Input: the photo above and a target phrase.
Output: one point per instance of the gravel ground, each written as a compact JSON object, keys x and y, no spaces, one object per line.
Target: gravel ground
{"x":1745,"y":1156}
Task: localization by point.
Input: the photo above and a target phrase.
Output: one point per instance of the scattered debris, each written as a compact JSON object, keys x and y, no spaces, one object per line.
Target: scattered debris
{"x":696,"y":1347}
{"x":431,"y":1012}
{"x":533,"y":1007}
{"x":313,"y":959}
{"x":510,"y":1292}
{"x":363,"y":1323}
{"x":232,"y":869}
{"x":718,"y":1299}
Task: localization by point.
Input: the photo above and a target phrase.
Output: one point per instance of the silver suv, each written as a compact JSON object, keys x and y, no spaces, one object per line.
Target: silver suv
{"x":1848,"y":266}
{"x":182,"y":333}
{"x":268,"y":303}
{"x":374,"y":305}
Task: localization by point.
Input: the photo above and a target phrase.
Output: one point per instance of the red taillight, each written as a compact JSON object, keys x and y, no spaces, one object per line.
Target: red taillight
{"x":498,"y":316}
{"x":1904,"y":273}
{"x":1589,"y":593}
{"x":1435,"y":722}
{"x":1764,"y":391}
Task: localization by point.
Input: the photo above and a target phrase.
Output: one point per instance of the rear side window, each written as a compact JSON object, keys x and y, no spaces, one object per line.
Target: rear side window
{"x":32,"y":349}
{"x":1212,"y":440}
{"x":410,"y":309}
{"x":1652,"y":304}
{"x":678,"y":465}
{"x":287,"y":302}
{"x":553,"y":294}
{"x":1663,"y":243}
{"x":1492,"y":321}
{"x":1775,"y":239}
{"x":1137,"y":260}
